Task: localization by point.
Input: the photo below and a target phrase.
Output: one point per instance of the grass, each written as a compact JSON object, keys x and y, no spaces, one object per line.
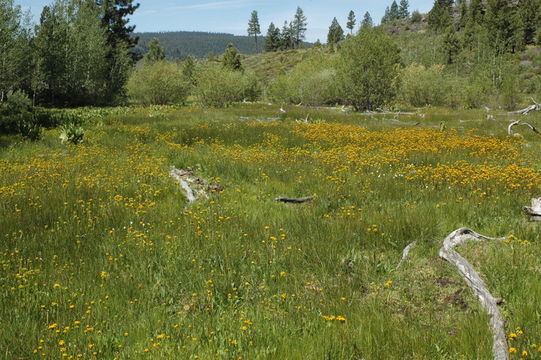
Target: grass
{"x":101,"y":260}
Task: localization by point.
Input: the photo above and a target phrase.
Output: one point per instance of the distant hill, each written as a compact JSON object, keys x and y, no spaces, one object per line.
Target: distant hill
{"x":181,"y":44}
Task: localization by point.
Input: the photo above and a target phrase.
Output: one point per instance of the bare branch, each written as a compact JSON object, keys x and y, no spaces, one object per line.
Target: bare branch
{"x":474,"y":281}
{"x":520,"y":123}
{"x":295,"y":200}
{"x":405,"y":253}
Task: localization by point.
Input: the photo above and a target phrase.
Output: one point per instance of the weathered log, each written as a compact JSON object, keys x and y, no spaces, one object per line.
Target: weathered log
{"x":527,"y":110}
{"x":406,"y":253}
{"x":295,"y":200}
{"x":474,"y":281}
{"x":520,"y":123}
{"x":535,"y":210}
{"x":193,"y":186}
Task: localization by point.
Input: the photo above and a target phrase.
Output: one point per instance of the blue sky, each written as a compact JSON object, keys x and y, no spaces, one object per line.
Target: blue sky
{"x":231,"y":16}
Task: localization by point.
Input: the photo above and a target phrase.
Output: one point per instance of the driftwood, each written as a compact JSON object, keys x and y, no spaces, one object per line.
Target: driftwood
{"x":192,"y":185}
{"x":406,"y":253}
{"x":474,"y":281}
{"x":527,"y":110}
{"x":295,"y":200}
{"x":520,"y":123}
{"x":535,"y":210}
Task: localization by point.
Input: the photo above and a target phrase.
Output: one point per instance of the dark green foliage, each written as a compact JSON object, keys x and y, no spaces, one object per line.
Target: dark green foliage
{"x":367,"y":21}
{"x":231,"y":58}
{"x":451,"y":45}
{"x":254,"y":28}
{"x":272,"y":40}
{"x":394,"y":11}
{"x":351,"y":22}
{"x":439,"y":18}
{"x":298,"y":28}
{"x":287,"y":41}
{"x":403,"y":11}
{"x":188,"y":69}
{"x":416,"y":16}
{"x":335,"y":34}
{"x":368,"y":69}
{"x":155,"y":52}
{"x":501,"y":25}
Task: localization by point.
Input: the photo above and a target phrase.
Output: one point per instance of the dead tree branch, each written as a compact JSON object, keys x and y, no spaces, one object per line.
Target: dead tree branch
{"x":520,"y":123}
{"x":192,"y":185}
{"x":535,"y":210}
{"x":406,"y":253}
{"x":526,"y":111}
{"x":474,"y":281}
{"x":295,"y":200}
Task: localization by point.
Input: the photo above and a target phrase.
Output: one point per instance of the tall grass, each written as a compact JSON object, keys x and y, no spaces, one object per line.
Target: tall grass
{"x":101,"y":260}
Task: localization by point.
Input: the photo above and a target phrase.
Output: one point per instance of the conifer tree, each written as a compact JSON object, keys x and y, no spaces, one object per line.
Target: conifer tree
{"x":394,"y":12}
{"x":254,"y":28}
{"x":501,"y":25}
{"x":451,"y":45}
{"x":298,"y":27}
{"x":367,"y":21}
{"x":231,"y":58}
{"x":155,"y":52}
{"x":335,"y":34}
{"x":286,"y":38}
{"x":272,"y":40}
{"x":439,"y":18}
{"x":351,"y":22}
{"x":387,"y":16}
{"x":403,"y":11}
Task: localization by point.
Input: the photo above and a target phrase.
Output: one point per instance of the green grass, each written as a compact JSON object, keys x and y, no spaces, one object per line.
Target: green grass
{"x":100,"y":258}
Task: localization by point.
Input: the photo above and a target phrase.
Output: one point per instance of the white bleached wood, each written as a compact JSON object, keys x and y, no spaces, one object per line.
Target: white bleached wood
{"x":535,"y":210}
{"x":520,"y":123}
{"x":406,"y":253}
{"x":471,"y":277}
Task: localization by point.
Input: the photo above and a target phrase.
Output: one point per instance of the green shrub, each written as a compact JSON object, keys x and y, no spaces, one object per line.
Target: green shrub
{"x":423,"y":86}
{"x":312,"y":82}
{"x":17,"y":116}
{"x":218,"y":87}
{"x":159,"y":83}
{"x":368,"y":69}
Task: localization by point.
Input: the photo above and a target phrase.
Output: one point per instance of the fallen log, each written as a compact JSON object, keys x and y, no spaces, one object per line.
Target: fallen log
{"x":193,"y":186}
{"x":295,"y":200}
{"x":520,"y":123}
{"x":535,"y":210}
{"x":471,"y":277}
{"x":527,"y":110}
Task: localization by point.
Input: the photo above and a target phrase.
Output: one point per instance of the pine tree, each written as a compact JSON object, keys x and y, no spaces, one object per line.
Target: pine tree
{"x":254,"y":28}
{"x":367,"y":21}
{"x":155,"y":52}
{"x":394,"y":12}
{"x":501,"y":26}
{"x":439,"y":18}
{"x":272,"y":40}
{"x":403,"y":11}
{"x":298,"y":27}
{"x":351,"y":21}
{"x":286,"y":38}
{"x":463,"y":14}
{"x":451,"y":45}
{"x":231,"y":58}
{"x":115,"y":18}
{"x":528,"y":11}
{"x":335,"y":34}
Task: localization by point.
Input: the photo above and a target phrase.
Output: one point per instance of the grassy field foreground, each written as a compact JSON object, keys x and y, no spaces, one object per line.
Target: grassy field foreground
{"x":100,"y":259}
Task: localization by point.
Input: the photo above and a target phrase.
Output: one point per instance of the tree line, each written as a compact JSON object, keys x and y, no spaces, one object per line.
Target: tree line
{"x":78,"y":54}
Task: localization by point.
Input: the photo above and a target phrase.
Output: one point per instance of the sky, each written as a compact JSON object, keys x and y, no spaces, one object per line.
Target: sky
{"x":231,"y":16}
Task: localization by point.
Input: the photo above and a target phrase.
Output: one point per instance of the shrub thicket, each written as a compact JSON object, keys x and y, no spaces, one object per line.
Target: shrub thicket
{"x":159,"y":83}
{"x":218,"y":87}
{"x":311,"y":82}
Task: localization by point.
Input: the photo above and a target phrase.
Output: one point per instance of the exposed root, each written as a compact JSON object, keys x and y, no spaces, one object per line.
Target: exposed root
{"x":520,"y":123}
{"x":474,"y":281}
{"x":295,"y":200}
{"x":535,"y":210}
{"x":406,"y":253}
{"x":194,"y":187}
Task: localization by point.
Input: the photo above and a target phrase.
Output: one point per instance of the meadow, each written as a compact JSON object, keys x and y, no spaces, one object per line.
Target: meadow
{"x":101,"y":258}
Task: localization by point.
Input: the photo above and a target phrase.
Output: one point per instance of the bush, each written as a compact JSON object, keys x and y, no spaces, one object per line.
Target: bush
{"x":159,"y":83}
{"x":423,"y":86}
{"x":368,"y":69}
{"x":219,"y":87}
{"x":17,"y":116}
{"x":311,"y":82}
